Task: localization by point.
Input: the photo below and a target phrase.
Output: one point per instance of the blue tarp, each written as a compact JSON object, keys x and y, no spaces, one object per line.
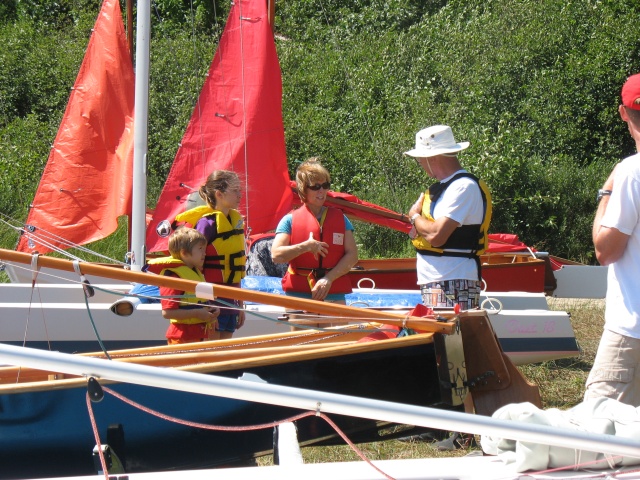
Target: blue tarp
{"x":373,"y":298}
{"x":365,"y":298}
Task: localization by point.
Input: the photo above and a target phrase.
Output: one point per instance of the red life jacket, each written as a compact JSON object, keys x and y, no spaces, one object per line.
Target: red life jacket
{"x":304,"y":270}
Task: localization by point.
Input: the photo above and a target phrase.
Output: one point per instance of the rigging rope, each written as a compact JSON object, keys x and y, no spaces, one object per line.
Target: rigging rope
{"x":204,"y":426}
{"x":531,"y":474}
{"x":244,"y":123}
{"x":96,"y":435}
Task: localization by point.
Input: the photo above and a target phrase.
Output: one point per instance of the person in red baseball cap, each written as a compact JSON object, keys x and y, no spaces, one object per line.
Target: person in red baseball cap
{"x":616,"y":237}
{"x":630,"y":108}
{"x":631,"y":92}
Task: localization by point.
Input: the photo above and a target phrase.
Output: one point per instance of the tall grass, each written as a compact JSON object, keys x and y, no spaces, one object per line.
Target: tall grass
{"x":561,"y":384}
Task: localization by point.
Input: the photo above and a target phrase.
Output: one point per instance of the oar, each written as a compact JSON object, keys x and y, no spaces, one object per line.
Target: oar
{"x":209,"y":290}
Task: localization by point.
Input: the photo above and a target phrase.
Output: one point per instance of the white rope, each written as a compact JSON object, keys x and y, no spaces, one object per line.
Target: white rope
{"x":493,"y":309}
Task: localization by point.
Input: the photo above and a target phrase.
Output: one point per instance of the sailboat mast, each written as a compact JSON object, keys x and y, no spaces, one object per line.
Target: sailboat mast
{"x":130,"y":27}
{"x":271,"y":14}
{"x":140,"y":127}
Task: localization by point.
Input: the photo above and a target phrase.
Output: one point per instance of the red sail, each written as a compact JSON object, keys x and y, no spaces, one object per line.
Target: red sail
{"x":87,"y":181}
{"x":236,"y":125}
{"x":358,"y":209}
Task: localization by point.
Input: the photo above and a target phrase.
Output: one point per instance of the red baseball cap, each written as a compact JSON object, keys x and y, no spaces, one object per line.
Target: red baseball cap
{"x":631,"y":92}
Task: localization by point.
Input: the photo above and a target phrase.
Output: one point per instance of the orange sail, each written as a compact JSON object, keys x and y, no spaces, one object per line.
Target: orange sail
{"x":236,"y":125}
{"x":86,"y":184}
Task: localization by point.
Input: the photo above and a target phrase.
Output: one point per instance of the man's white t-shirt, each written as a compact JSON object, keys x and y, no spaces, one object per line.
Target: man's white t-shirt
{"x":622,"y":313}
{"x":461,"y":202}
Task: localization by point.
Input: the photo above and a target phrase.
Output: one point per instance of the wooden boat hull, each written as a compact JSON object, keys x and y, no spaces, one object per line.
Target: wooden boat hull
{"x":47,"y":431}
{"x":502,"y":272}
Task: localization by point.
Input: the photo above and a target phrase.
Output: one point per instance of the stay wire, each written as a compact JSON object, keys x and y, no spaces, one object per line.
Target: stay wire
{"x":244,"y":121}
{"x":198,"y":105}
{"x":45,"y":238}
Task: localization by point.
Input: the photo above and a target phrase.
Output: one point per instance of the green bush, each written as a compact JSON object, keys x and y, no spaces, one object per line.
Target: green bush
{"x":175,"y":82}
{"x":533,"y":85}
{"x":23,"y":155}
{"x":39,"y":68}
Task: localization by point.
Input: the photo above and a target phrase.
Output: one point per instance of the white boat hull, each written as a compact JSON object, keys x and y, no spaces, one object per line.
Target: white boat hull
{"x":56,"y":317}
{"x":460,"y":468}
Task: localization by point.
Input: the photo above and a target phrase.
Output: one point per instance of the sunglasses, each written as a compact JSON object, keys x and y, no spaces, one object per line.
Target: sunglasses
{"x":318,"y":186}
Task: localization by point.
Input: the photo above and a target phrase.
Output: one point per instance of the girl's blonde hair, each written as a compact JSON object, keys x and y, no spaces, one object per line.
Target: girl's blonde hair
{"x":308,"y":173}
{"x":186,"y":239}
{"x":219,"y":180}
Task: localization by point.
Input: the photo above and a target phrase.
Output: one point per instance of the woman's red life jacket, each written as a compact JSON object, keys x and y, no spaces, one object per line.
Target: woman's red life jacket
{"x":305,"y":270}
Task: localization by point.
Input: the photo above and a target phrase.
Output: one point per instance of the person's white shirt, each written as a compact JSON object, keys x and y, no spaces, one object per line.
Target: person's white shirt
{"x":622,"y":314}
{"x":461,"y":202}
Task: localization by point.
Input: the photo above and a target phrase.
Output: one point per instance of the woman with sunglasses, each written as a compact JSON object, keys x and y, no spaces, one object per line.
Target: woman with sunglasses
{"x":315,"y":240}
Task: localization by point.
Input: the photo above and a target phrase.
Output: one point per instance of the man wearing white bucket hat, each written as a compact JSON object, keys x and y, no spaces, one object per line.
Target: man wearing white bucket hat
{"x":616,"y":237}
{"x":450,"y":223}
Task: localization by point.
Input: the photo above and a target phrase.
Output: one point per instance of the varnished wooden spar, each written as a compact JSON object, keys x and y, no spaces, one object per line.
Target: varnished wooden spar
{"x":211,"y":351}
{"x":12,"y":375}
{"x":217,"y":356}
{"x":325,"y":308}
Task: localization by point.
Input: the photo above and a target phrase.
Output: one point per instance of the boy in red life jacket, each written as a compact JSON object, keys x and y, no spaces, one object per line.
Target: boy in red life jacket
{"x":191,"y":318}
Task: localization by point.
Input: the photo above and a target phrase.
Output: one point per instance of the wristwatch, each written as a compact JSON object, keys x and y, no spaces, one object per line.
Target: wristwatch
{"x":413,"y":218}
{"x":602,"y":193}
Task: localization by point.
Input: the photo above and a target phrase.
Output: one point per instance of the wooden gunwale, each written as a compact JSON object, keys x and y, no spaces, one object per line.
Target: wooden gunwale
{"x":408,"y":265}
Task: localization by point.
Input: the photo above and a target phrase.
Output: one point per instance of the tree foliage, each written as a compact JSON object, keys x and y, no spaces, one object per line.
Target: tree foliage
{"x":533,"y":85}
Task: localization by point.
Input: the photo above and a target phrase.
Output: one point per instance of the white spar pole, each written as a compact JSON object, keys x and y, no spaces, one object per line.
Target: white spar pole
{"x":310,"y":400}
{"x":140,"y":128}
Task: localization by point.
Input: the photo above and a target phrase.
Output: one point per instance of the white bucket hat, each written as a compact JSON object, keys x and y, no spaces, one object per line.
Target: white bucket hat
{"x":436,"y":140}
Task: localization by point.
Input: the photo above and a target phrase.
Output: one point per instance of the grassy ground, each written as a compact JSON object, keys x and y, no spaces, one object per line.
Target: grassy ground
{"x":561,"y":384}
